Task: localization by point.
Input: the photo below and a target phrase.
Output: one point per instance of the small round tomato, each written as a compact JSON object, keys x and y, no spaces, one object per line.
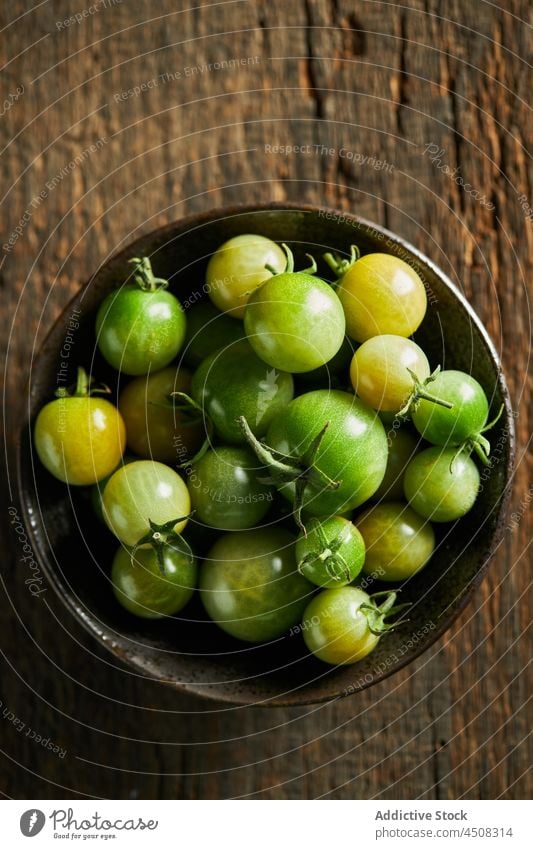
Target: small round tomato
{"x":403,"y":446}
{"x":380,"y":294}
{"x":250,"y":585}
{"x":155,"y":429}
{"x":140,"y":327}
{"x":226,"y":490}
{"x":333,"y":374}
{"x":343,"y":625}
{"x":441,"y":484}
{"x":144,"y":590}
{"x":381,"y":371}
{"x":97,"y":490}
{"x":238,"y":267}
{"x":398,"y":542}
{"x":332,"y":553}
{"x":80,"y":439}
{"x":327,"y":452}
{"x":464,"y":422}
{"x":294,"y":321}
{"x":208,"y":329}
{"x":144,"y":499}
{"x":234,"y":382}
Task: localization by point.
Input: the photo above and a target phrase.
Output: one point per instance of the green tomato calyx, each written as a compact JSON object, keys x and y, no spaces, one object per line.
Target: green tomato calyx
{"x":420,"y":392}
{"x":302,"y":470}
{"x":339,"y":265}
{"x":85,"y":386}
{"x":144,"y":277}
{"x":289,"y":268}
{"x":328,"y":553}
{"x":376,"y":614}
{"x":161,"y":537}
{"x":182,"y":403}
{"x":478,"y":443}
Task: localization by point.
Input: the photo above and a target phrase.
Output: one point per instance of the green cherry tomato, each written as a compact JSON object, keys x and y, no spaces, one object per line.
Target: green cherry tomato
{"x":332,"y":554}
{"x":79,"y":438}
{"x":97,"y":490}
{"x":464,"y":421}
{"x":398,"y":542}
{"x":294,"y":321}
{"x":226,"y":490}
{"x":250,"y":585}
{"x":380,"y":294}
{"x":380,"y":371}
{"x":343,"y":625}
{"x":154,"y":428}
{"x":234,"y":382}
{"x":441,"y":484}
{"x":238,"y":267}
{"x":140,"y":327}
{"x":142,"y":494}
{"x":332,"y":442}
{"x":208,"y":329}
{"x":144,"y":590}
{"x":333,"y":373}
{"x":403,"y":445}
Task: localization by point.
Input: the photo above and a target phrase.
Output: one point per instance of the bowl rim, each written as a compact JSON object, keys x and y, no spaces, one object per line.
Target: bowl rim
{"x":121,"y":647}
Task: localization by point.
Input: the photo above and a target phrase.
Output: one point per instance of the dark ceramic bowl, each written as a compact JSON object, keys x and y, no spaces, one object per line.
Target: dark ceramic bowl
{"x":193,"y":655}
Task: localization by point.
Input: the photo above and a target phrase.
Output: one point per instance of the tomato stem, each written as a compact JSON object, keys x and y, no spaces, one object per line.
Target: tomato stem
{"x":196,"y":413}
{"x":144,"y":277}
{"x":301,"y":471}
{"x":339,"y":265}
{"x":83,"y":388}
{"x":376,"y":614}
{"x":289,"y":267}
{"x":164,"y":536}
{"x":420,"y":392}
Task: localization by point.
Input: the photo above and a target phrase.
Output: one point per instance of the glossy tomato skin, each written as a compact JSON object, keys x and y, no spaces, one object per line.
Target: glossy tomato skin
{"x":238,"y":267}
{"x":379,"y":371}
{"x":334,"y":628}
{"x":403,"y":446}
{"x":143,"y":590}
{"x":234,"y":382}
{"x":443,"y":426}
{"x":208,"y":329}
{"x":381,"y":294}
{"x":250,"y":585}
{"x":139,"y":331}
{"x":353,"y":449}
{"x":326,"y":542}
{"x":141,"y":492}
{"x":333,"y":374}
{"x":154,"y":430}
{"x":398,"y":541}
{"x":295,"y":322}
{"x":226,"y":490}
{"x":80,"y":440}
{"x":441,"y":485}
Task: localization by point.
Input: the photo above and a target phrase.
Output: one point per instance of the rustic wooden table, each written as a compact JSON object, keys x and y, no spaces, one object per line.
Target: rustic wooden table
{"x":174,"y":110}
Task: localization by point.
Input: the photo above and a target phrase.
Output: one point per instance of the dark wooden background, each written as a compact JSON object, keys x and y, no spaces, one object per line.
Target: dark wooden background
{"x":382,"y":79}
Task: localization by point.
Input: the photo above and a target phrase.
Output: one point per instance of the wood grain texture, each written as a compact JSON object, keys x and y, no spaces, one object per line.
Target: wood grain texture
{"x":378,"y":79}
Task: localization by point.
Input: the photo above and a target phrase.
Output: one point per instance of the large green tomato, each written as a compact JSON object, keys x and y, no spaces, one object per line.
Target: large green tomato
{"x":144,"y":589}
{"x":140,"y":327}
{"x":238,"y":267}
{"x":234,"y":382}
{"x":142,"y":493}
{"x":352,"y":452}
{"x":250,"y":585}
{"x":80,"y":439}
{"x":226,"y":490}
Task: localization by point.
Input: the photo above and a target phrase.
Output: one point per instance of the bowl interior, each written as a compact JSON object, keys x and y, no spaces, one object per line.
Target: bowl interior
{"x":187,"y":652}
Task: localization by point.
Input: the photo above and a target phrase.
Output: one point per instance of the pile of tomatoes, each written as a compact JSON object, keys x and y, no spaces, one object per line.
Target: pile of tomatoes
{"x":287,"y":429}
